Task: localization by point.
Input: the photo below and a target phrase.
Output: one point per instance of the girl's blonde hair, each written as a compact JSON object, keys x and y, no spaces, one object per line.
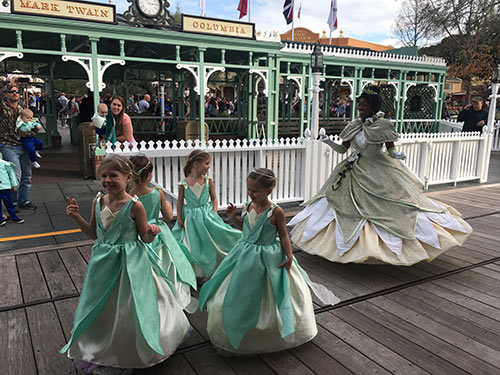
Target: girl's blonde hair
{"x":193,"y":157}
{"x":142,"y":167}
{"x":264,"y":177}
{"x":117,"y":163}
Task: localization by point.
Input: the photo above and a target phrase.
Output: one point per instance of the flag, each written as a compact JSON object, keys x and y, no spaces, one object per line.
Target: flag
{"x":332,"y":17}
{"x":201,"y":4}
{"x":288,"y":11}
{"x":243,"y":7}
{"x":298,"y":13}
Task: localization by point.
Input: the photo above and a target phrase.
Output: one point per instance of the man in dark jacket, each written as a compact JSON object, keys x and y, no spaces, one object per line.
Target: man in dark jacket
{"x":473,"y":116}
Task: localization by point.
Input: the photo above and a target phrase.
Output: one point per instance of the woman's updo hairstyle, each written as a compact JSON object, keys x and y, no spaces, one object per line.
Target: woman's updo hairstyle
{"x":193,"y":157}
{"x":264,"y":177}
{"x":142,"y":167}
{"x":372,"y":97}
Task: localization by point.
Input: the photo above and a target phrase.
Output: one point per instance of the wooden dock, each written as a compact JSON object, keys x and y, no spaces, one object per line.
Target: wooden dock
{"x":432,"y":318}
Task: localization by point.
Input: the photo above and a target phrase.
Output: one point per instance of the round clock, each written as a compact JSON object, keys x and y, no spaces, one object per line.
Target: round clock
{"x":149,"y":8}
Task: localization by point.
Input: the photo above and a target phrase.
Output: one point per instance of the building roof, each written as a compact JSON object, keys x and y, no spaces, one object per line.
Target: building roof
{"x":302,"y":34}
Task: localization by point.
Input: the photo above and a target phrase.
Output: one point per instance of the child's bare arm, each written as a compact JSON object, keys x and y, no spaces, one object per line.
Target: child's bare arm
{"x":231,"y":214}
{"x":73,"y":211}
{"x":180,"y":204}
{"x":280,"y":219}
{"x":166,"y":208}
{"x":147,"y":231}
{"x":213,"y":196}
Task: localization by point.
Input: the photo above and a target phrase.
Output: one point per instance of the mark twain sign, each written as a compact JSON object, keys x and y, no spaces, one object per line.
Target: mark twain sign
{"x":80,"y":10}
{"x":204,"y":25}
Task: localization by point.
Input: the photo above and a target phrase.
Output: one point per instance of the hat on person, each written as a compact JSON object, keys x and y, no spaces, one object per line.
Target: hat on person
{"x":477,"y":99}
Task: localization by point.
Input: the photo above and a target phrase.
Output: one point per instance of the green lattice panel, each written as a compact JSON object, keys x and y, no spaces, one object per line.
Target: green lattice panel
{"x":387,"y":97}
{"x":419,"y":103}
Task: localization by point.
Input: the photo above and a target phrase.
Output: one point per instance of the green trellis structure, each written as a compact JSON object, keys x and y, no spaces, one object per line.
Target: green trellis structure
{"x":270,"y":79}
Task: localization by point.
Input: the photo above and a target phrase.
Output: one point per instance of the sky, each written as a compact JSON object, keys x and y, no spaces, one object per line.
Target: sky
{"x":369,"y":20}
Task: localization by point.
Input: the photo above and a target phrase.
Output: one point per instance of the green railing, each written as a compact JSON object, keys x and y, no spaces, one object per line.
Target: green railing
{"x":226,"y":126}
{"x":216,"y":125}
{"x":291,"y":128}
{"x":152,"y":124}
{"x":417,"y":126}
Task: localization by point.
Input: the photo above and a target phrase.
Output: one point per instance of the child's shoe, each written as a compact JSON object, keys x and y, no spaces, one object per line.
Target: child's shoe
{"x":38,"y":154}
{"x":3,"y":222}
{"x":17,"y":220}
{"x":35,"y":164}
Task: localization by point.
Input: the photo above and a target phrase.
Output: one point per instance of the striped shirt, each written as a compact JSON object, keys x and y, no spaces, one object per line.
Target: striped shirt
{"x":8,"y":117}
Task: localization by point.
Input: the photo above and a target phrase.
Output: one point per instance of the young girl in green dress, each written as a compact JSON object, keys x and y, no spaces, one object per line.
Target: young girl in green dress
{"x":165,"y":251}
{"x":198,"y":226}
{"x":127,"y":316}
{"x":258,"y":300}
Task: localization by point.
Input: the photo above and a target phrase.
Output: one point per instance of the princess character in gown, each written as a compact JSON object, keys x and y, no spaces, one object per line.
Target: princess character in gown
{"x":127,"y":316}
{"x":165,"y":251}
{"x":372,"y":207}
{"x":198,"y":226}
{"x":258,"y":299}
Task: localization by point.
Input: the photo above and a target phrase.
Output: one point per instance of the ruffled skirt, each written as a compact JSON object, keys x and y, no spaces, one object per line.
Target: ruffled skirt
{"x":114,"y":337}
{"x":265,"y":337}
{"x":316,"y":232}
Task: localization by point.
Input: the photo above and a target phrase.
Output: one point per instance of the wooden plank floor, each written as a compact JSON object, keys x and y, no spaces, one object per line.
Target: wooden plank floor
{"x":432,"y":318}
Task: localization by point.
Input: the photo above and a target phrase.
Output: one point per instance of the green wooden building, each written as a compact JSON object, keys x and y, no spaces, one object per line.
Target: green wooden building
{"x":270,"y":79}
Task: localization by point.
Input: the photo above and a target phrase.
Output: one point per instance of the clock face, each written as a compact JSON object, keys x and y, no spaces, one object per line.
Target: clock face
{"x":149,"y":8}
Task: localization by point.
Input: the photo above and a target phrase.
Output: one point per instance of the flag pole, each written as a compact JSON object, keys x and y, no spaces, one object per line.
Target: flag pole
{"x":330,"y":41}
{"x":293,"y":11}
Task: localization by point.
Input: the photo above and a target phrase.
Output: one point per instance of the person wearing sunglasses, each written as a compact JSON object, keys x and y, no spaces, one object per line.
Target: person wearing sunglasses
{"x":10,"y":144}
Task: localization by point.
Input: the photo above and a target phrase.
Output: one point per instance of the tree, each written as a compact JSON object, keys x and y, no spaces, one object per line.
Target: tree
{"x":471,"y":35}
{"x":413,"y":24}
{"x":177,"y":15}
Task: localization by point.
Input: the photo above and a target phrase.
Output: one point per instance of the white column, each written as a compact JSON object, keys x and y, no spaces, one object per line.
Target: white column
{"x":315,"y":105}
{"x":488,"y":134}
{"x":162,"y":97}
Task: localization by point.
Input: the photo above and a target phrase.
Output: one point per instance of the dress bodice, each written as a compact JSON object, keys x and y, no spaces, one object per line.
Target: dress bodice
{"x":261,"y":231}
{"x":122,"y":228}
{"x":193,"y":199}
{"x":152,"y":204}
{"x":361,"y":146}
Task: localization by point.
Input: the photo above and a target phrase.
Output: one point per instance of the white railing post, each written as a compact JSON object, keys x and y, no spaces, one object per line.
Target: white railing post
{"x":483,"y":164}
{"x":307,"y":166}
{"x":455,"y":160}
{"x":423,"y":170}
{"x":496,"y":137}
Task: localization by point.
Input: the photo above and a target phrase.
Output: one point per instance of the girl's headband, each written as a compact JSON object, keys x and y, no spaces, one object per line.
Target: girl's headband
{"x":262,"y":174}
{"x":139,"y":172}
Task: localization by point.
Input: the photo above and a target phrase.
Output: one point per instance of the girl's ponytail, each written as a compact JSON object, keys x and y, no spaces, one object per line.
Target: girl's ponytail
{"x":142,"y":168}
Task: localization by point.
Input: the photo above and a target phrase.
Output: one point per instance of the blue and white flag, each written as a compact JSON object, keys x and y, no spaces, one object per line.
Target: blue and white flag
{"x":288,"y":11}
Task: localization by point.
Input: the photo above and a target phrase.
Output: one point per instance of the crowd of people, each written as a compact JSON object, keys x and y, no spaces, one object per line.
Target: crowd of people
{"x":217,"y":106}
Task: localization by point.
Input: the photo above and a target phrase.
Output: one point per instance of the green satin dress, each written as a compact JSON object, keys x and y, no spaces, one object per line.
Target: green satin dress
{"x":169,"y":254}
{"x":204,"y":233}
{"x":372,"y":207}
{"x":254,"y":306}
{"x":127,"y":315}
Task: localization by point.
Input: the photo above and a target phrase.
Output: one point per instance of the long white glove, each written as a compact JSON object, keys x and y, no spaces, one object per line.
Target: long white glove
{"x":341,"y":149}
{"x":393,"y":153}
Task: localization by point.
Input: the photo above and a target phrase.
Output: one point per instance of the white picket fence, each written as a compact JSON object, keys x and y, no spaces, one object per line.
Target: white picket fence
{"x":453,"y":126}
{"x":303,"y":165}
